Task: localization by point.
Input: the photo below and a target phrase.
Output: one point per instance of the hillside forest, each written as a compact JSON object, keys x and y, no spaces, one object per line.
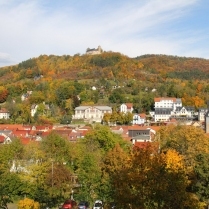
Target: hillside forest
{"x":171,"y":172}
{"x":65,"y":82}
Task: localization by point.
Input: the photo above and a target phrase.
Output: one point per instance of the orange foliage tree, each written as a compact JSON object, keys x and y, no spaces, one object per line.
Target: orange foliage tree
{"x":3,"y":94}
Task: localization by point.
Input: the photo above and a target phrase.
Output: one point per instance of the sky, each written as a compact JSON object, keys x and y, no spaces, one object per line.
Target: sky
{"x":30,"y":28}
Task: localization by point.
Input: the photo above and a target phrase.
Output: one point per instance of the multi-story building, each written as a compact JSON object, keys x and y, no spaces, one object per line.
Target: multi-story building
{"x":91,"y":113}
{"x":164,"y":106}
{"x":201,"y":114}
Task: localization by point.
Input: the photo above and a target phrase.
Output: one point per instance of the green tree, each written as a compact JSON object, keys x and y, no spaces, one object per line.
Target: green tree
{"x":105,"y":138}
{"x":149,"y":180}
{"x":36,"y":97}
{"x":184,"y":140}
{"x":201,"y":180}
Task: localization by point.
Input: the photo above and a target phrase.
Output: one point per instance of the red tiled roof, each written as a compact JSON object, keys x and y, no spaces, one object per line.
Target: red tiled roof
{"x":158,"y":99}
{"x":4,"y":110}
{"x":129,"y":105}
{"x":44,"y":127}
{"x":20,"y":132}
{"x":10,"y":126}
{"x":142,"y":115}
{"x":2,"y":138}
{"x":141,"y":144}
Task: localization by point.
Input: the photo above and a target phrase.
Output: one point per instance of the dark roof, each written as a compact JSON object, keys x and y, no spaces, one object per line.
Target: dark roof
{"x":163,"y":111}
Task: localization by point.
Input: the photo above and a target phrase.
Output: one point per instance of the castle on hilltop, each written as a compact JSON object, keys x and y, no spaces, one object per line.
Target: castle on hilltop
{"x":94,"y":51}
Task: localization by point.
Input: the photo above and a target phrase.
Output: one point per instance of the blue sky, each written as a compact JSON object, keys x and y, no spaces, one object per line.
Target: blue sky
{"x":30,"y":28}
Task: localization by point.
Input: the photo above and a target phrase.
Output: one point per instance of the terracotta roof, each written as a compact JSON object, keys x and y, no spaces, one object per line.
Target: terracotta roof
{"x":44,"y":127}
{"x":158,"y":99}
{"x":129,"y":105}
{"x":141,"y":144}
{"x":10,"y":126}
{"x":2,"y":138}
{"x":20,"y":132}
{"x":4,"y":110}
{"x":142,"y":115}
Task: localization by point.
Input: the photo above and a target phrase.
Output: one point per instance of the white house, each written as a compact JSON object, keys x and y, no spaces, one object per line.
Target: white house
{"x":33,"y":109}
{"x":139,"y":119}
{"x":91,"y":113}
{"x":4,"y":139}
{"x":126,"y":107}
{"x":164,"y":106}
{"x":4,"y":113}
{"x":201,"y":114}
{"x":187,"y":112}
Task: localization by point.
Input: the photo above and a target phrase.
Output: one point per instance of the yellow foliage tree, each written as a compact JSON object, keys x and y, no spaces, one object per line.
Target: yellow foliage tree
{"x":28,"y":204}
{"x":174,"y":161}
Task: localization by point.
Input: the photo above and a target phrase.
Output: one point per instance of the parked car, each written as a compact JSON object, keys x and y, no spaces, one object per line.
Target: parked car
{"x":69,"y":204}
{"x":83,"y":205}
{"x":98,"y":204}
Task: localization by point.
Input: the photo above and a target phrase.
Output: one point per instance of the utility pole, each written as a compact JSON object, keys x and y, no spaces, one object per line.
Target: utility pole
{"x":52,"y":173}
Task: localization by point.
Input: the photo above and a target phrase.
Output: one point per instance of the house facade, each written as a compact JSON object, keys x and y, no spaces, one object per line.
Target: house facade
{"x":164,"y":106}
{"x":184,"y":112}
{"x":201,"y":114}
{"x":141,"y":134}
{"x":139,"y":119}
{"x":91,"y":113}
{"x":126,"y":107}
{"x":33,"y":109}
{"x":4,"y":113}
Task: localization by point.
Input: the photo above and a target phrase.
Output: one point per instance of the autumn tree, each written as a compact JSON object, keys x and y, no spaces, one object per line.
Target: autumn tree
{"x":184,"y":140}
{"x":153,"y":180}
{"x":3,"y":94}
{"x":28,"y":204}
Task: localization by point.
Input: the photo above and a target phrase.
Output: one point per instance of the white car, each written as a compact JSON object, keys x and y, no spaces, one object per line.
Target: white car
{"x":98,"y":204}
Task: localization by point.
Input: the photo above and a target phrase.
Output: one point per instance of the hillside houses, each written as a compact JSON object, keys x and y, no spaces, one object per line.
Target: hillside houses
{"x":167,"y":108}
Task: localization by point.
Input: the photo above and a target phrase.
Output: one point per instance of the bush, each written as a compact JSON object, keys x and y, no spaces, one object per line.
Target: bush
{"x":28,"y":204}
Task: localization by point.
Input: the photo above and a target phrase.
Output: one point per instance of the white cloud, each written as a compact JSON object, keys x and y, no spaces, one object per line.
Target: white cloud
{"x":32,"y":28}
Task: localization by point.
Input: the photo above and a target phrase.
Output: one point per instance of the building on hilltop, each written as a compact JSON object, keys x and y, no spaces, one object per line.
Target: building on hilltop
{"x":94,"y":51}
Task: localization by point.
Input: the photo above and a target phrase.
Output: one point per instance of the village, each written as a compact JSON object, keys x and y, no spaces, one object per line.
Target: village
{"x":139,"y":132}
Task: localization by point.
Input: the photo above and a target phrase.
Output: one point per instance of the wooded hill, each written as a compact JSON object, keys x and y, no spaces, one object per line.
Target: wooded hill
{"x":108,"y":65}
{"x":59,"y":80}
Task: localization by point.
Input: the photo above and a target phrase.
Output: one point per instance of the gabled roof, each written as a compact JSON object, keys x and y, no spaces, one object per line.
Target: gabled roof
{"x":129,"y":105}
{"x":4,"y":110}
{"x":142,"y":115}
